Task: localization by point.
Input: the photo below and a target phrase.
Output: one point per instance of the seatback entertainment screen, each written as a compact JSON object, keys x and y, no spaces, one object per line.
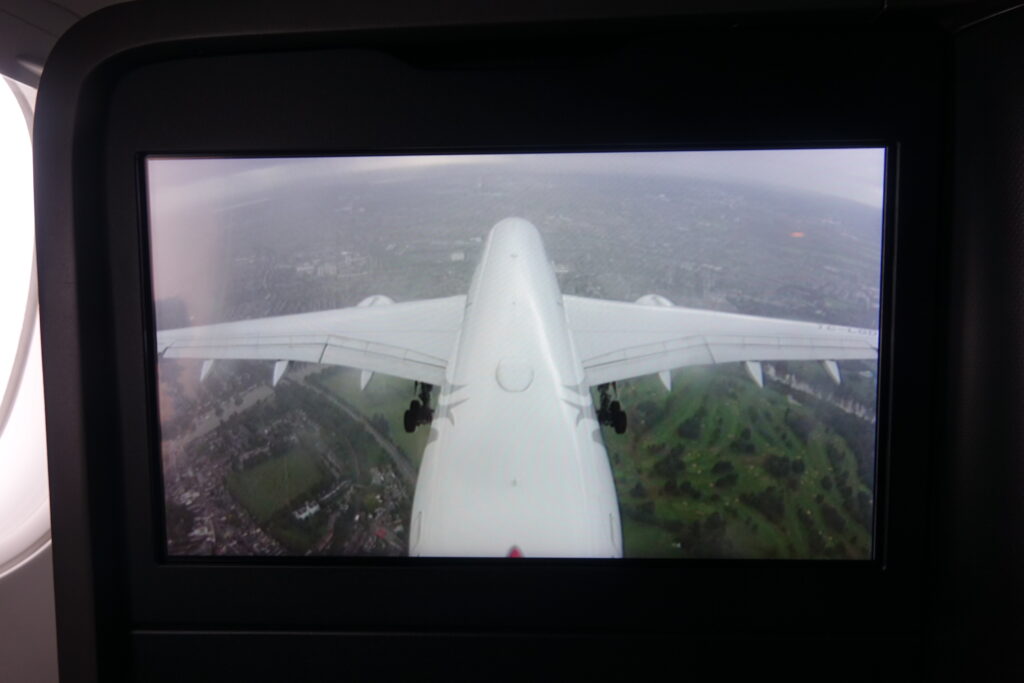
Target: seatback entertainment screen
{"x":579,"y":355}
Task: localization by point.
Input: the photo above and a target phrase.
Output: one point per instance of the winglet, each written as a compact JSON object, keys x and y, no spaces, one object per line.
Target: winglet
{"x":205,"y":370}
{"x":279,"y":370}
{"x":754,"y":370}
{"x":666,"y":378}
{"x":364,"y":378}
{"x":833,"y":370}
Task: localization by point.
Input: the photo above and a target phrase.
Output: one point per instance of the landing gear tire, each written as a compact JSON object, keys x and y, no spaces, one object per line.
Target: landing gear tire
{"x":618,"y":417}
{"x":409,"y":422}
{"x":419,"y":412}
{"x":610,"y":413}
{"x":619,"y":421}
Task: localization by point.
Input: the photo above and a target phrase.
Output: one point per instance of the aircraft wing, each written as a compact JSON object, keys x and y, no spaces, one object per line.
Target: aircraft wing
{"x":412,"y":340}
{"x":619,"y":340}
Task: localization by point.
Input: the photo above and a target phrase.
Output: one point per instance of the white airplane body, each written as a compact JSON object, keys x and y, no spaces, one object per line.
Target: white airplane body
{"x":515,"y":464}
{"x":537,"y":478}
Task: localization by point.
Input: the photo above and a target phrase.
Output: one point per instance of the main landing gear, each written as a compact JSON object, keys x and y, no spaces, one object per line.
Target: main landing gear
{"x":610,"y":413}
{"x":420,"y":412}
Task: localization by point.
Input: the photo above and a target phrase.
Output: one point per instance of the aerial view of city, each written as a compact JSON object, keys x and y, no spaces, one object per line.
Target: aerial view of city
{"x":311,"y":462}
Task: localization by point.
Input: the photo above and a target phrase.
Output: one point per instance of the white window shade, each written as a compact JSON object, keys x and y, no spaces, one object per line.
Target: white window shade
{"x":24,"y":486}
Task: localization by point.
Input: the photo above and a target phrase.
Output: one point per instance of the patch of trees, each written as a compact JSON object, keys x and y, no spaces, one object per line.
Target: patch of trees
{"x":691,"y":427}
{"x":639,"y":491}
{"x":800,"y":424}
{"x":715,"y":522}
{"x":687,"y":489}
{"x":781,"y":467}
{"x":657,"y":447}
{"x":833,"y":520}
{"x":722,"y":467}
{"x":768,"y":502}
{"x":716,"y":432}
{"x":743,"y":443}
{"x":644,"y":512}
{"x":669,"y":466}
{"x":744,"y":447}
{"x":728,"y":481}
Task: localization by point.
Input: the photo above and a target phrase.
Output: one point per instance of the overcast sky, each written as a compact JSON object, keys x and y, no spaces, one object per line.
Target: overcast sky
{"x":854,"y":174}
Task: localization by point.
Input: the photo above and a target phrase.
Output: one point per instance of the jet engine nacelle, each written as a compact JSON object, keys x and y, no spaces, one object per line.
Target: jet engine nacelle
{"x":654,"y":300}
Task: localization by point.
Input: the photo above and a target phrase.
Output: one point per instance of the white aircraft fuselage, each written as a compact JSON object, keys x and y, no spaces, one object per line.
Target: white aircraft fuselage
{"x":515,"y":462}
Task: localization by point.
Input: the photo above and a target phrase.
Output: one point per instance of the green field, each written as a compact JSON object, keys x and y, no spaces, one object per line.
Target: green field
{"x":282,"y":482}
{"x":723,"y":468}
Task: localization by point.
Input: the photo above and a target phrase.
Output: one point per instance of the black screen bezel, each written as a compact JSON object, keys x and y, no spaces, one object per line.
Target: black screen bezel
{"x":370,"y":570}
{"x":868,"y":86}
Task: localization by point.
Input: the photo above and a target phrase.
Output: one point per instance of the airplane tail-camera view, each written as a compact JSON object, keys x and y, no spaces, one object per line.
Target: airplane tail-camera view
{"x":640,"y":355}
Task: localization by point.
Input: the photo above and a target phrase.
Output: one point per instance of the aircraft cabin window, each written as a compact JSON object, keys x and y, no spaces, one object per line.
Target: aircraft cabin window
{"x":24,"y":489}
